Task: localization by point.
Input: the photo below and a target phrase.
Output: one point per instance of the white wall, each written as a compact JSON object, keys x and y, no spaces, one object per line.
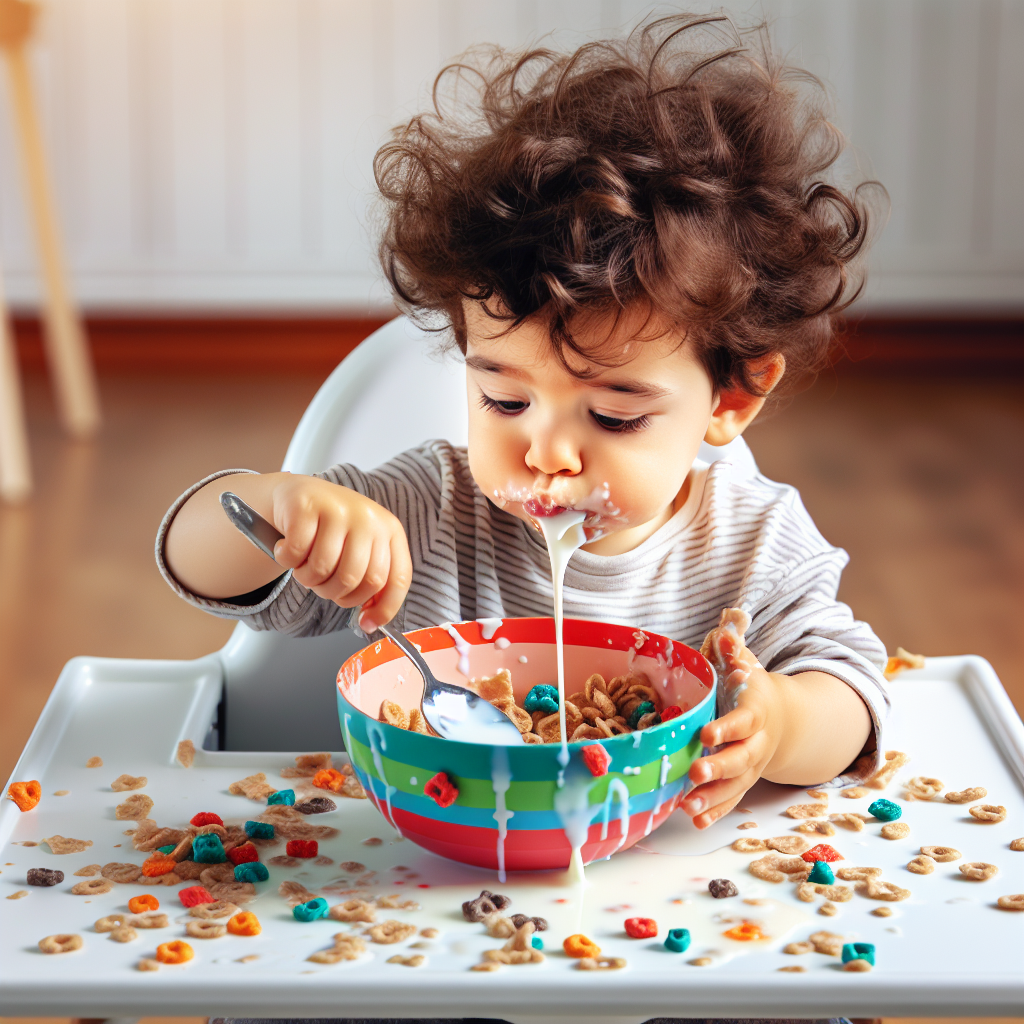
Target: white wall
{"x":216,"y":153}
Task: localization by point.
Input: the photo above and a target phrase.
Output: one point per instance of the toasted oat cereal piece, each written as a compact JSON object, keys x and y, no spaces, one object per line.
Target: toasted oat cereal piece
{"x":601,"y":963}
{"x":853,"y":822}
{"x":806,"y":891}
{"x":239,"y":893}
{"x":792,"y":969}
{"x":701,"y":961}
{"x":778,"y":868}
{"x":894,"y":761}
{"x":923,"y":787}
{"x":498,"y":926}
{"x":895,"y":830}
{"x":186,"y":753}
{"x":798,"y":948}
{"x":214,"y":873}
{"x":1014,"y":902}
{"x":988,"y":813}
{"x":877,"y":889}
{"x":1017,"y":844}
{"x":60,"y":943}
{"x":408,"y":961}
{"x":148,"y":964}
{"x":92,"y":887}
{"x":787,"y":844}
{"x":126,"y":933}
{"x":965,"y":796}
{"x":205,"y":930}
{"x":110,"y":922}
{"x":855,"y":874}
{"x":88,"y":871}
{"x":395,"y":902}
{"x":827,"y":909}
{"x":978,"y":870}
{"x":858,"y":966}
{"x":807,"y":810}
{"x":307,"y":765}
{"x":486,"y":965}
{"x":388,"y":932}
{"x":854,"y":792}
{"x":125,"y":782}
{"x":148,"y":921}
{"x":210,"y":911}
{"x":94,"y":762}
{"x":943,"y":854}
{"x":827,"y":943}
{"x":496,"y":687}
{"x":135,"y":808}
{"x":393,"y":714}
{"x":822,"y":828}
{"x":353,"y":910}
{"x":19,"y":895}
{"x":749,"y":845}
{"x":254,"y":787}
{"x":882,"y":912}
{"x":747,"y":824}
{"x":61,"y":844}
{"x":921,"y":865}
{"x":818,"y":794}
{"x":123,"y":873}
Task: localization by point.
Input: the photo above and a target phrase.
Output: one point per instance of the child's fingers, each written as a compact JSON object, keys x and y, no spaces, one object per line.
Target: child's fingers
{"x":347,"y":579}
{"x":738,"y":724}
{"x":712,"y":794}
{"x":375,"y":576}
{"x":385,"y":605}
{"x":299,"y":526}
{"x":731,"y":761}
{"x":324,"y":555}
{"x":710,"y":816}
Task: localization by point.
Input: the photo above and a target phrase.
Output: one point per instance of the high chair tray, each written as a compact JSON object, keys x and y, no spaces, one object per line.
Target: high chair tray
{"x":947,"y":950}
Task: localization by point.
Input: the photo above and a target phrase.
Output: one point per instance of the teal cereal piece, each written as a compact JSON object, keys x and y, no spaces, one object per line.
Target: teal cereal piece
{"x":859,"y":951}
{"x":251,"y":871}
{"x":208,"y":849}
{"x":165,"y":850}
{"x":536,"y":941}
{"x":821,"y":873}
{"x":643,"y":708}
{"x":259,"y":830}
{"x":282,"y":796}
{"x":885,"y":810}
{"x":677,"y":940}
{"x":542,"y":698}
{"x":311,"y":911}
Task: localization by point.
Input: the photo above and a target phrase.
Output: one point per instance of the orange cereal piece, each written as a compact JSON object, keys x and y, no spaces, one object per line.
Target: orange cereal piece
{"x":158,"y":865}
{"x":329,"y":778}
{"x":25,"y":794}
{"x":245,"y":923}
{"x":746,"y":932}
{"x":175,"y":952}
{"x":140,"y":904}
{"x":579,"y":947}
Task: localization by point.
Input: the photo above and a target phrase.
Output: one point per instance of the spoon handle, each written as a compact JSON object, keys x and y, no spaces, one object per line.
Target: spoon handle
{"x":263,"y":534}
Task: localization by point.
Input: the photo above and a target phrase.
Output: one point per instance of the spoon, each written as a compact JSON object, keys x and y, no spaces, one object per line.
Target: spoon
{"x":453,"y":712}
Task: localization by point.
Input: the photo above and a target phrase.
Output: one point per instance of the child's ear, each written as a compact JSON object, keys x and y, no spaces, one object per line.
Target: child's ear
{"x":737,"y":408}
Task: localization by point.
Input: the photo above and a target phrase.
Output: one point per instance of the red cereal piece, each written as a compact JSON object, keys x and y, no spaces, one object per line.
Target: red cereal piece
{"x":243,"y":854}
{"x":25,"y":794}
{"x":822,"y":852}
{"x":596,"y":758}
{"x":441,"y":790}
{"x":673,"y":711}
{"x":194,"y":895}
{"x":302,"y":848}
{"x":329,"y":778}
{"x":206,"y":818}
{"x":641,"y":927}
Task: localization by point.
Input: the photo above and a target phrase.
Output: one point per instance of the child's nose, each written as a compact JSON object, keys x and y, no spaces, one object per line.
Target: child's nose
{"x":553,"y":453}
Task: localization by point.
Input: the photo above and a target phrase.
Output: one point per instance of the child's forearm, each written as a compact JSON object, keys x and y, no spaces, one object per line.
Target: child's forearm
{"x":204,"y":551}
{"x":824,"y":725}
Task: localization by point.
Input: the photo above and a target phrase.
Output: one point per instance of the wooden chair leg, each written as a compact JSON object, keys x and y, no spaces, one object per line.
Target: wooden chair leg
{"x":15,"y":467}
{"x":67,"y":350}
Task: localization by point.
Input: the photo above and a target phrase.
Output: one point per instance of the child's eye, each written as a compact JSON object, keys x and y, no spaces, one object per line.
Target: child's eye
{"x":619,"y":426}
{"x":503,"y":408}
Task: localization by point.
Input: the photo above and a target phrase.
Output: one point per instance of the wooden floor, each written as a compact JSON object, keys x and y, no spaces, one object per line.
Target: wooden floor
{"x":920,"y":481}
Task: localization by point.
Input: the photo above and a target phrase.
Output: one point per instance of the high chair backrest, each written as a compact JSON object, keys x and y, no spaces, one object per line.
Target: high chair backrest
{"x":390,"y":394}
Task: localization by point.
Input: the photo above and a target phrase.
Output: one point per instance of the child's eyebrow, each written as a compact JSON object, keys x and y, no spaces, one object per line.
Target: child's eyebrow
{"x":624,"y":386}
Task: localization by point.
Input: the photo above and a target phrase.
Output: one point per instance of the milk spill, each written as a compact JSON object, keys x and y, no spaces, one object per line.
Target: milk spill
{"x":488,"y":627}
{"x":378,"y":744}
{"x":501,"y":781}
{"x":461,"y":646}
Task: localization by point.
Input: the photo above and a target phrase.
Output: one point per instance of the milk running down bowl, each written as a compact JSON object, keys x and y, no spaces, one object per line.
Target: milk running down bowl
{"x":510,"y":813}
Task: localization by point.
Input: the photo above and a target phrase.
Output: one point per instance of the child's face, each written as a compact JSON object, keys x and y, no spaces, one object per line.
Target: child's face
{"x":619,"y":445}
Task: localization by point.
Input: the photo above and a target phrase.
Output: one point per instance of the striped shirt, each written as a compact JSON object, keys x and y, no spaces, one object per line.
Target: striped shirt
{"x":740,"y":540}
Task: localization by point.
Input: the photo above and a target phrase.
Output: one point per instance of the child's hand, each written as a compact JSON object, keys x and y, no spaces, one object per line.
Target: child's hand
{"x":342,"y":546}
{"x":750,"y":732}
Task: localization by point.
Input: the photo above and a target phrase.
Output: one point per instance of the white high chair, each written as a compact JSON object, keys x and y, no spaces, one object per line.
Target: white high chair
{"x":392,"y":393}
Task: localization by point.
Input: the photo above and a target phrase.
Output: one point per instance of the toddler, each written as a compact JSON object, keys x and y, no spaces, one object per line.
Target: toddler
{"x":631,"y":246}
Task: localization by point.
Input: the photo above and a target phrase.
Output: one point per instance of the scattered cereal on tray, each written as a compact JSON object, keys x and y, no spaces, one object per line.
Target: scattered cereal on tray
{"x":882,"y":912}
{"x":922,"y":787}
{"x":484,"y":905}
{"x":123,"y":783}
{"x":821,"y":874}
{"x":827,"y":909}
{"x":1014,"y":902}
{"x":798,"y":948}
{"x":895,"y":830}
{"x":389,"y":932}
{"x":601,"y":963}
{"x":894,"y":761}
{"x":44,"y":876}
{"x":61,"y":792}
{"x":641,"y":927}
{"x":722,"y":888}
{"x":853,"y":822}
{"x":827,"y":943}
{"x":316,"y":805}
{"x":61,"y":844}
{"x":149,"y":921}
{"x":148,"y":964}
{"x":792,"y":969}
{"x":578,"y":946}
{"x":92,"y":887}
{"x":294,"y":893}
{"x":877,"y":889}
{"x":94,"y":762}
{"x":854,"y":792}
{"x":921,"y":865}
{"x":965,"y":796}
{"x":125,"y":874}
{"x":143,"y":903}
{"x":818,"y":794}
{"x":858,"y":966}
{"x":677,"y":940}
{"x":701,"y":961}
{"x":307,"y":765}
{"x":20,"y":894}
{"x":25,"y":795}
{"x":245,"y":923}
{"x":988,"y":813}
{"x":859,"y":951}
{"x":135,"y":808}
{"x":254,"y":787}
{"x":978,"y":870}
{"x":787,"y":844}
{"x":748,"y":931}
{"x":885,"y":810}
{"x":211,"y":911}
{"x":88,"y":870}
{"x":943,"y":854}
{"x":372,"y":841}
{"x":354,"y":910}
{"x":126,"y":933}
{"x":418,"y":960}
{"x":174,"y":952}
{"x":807,"y":810}
{"x":205,"y":930}
{"x":186,"y":753}
{"x":194,"y":895}
{"x":776,"y":868}
{"x":749,"y":845}
{"x":821,"y":852}
{"x":747,"y":824}
{"x":60,"y":943}
{"x":824,"y":828}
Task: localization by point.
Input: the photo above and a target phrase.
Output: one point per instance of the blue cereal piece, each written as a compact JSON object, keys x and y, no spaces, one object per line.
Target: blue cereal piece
{"x":282,"y":796}
{"x":542,"y":698}
{"x":259,"y":830}
{"x":885,"y":810}
{"x":536,"y":941}
{"x":643,"y":708}
{"x":677,"y":940}
{"x":311,"y":911}
{"x":251,"y":871}
{"x":165,"y":850}
{"x":208,"y":849}
{"x":821,"y":873}
{"x":859,"y":951}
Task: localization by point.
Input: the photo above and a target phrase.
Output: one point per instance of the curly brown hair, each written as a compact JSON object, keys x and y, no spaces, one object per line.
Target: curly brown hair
{"x":666,"y":172}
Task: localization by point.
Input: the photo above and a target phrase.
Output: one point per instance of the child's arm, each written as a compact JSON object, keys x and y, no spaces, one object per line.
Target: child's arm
{"x":343,"y":546}
{"x":801,"y":729}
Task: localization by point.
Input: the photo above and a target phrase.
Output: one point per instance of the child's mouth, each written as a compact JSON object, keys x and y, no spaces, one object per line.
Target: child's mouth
{"x":534,"y":508}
